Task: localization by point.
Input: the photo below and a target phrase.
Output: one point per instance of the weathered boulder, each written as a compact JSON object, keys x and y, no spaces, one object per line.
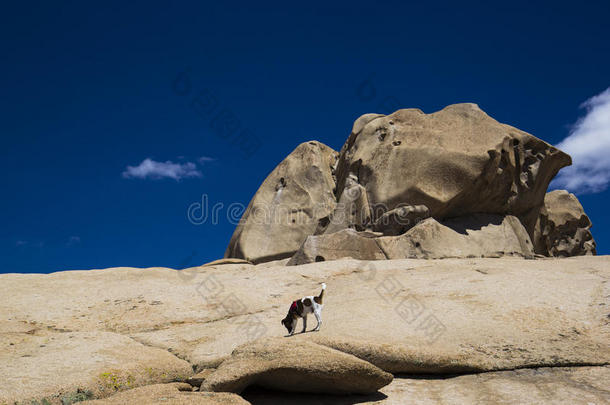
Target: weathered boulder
{"x":287,"y":207}
{"x":283,"y":364}
{"x":396,"y":170}
{"x":169,"y":394}
{"x":355,"y":212}
{"x":557,"y":386}
{"x":352,"y":211}
{"x":563,"y":229}
{"x":347,"y":243}
{"x":481,"y":235}
{"x":400,"y":219}
{"x":456,"y":161}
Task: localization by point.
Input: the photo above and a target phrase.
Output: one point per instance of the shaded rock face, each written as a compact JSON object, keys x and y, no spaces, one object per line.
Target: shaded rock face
{"x":353,"y":211}
{"x":455,"y":161}
{"x":563,"y":229}
{"x":286,"y":365}
{"x":288,"y":205}
{"x":480,"y":235}
{"x":401,"y":219}
{"x":345,"y":243}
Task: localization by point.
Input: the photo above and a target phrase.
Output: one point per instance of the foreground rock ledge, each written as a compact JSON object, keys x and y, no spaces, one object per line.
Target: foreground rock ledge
{"x":290,"y":365}
{"x":169,"y":394}
{"x":37,"y":364}
{"x":557,"y":386}
{"x":61,"y":332}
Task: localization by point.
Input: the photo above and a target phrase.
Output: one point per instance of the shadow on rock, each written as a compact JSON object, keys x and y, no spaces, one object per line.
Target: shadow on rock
{"x":260,"y":396}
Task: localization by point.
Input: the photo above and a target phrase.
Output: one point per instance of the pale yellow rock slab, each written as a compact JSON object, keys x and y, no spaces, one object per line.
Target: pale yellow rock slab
{"x":40,"y":365}
{"x":283,"y":364}
{"x":493,"y":314}
{"x":557,"y":386}
{"x":169,"y":394}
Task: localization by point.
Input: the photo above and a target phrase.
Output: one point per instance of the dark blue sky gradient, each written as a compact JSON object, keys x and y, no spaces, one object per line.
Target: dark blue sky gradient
{"x":87,"y":90}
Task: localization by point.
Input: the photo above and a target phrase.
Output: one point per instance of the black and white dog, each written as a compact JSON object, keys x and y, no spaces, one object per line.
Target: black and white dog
{"x":301,"y":308}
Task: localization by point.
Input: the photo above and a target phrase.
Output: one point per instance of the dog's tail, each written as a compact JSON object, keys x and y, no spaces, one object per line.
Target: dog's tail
{"x":320,"y":298}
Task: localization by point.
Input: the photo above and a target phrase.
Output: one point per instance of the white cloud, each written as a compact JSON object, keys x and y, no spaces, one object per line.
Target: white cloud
{"x":205,"y":159}
{"x":589,"y":145}
{"x":150,"y":169}
{"x":73,"y":240}
{"x":22,"y":243}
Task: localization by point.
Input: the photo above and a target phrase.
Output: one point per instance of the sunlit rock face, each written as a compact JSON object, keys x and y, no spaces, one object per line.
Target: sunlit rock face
{"x":287,"y":206}
{"x":417,"y":174}
{"x":455,"y":161}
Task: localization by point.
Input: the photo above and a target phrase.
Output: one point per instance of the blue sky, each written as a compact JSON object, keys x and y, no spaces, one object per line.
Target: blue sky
{"x":89,"y":93}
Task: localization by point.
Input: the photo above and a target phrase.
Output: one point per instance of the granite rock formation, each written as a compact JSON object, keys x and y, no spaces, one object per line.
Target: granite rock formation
{"x":563,"y":229}
{"x":102,"y":334}
{"x":288,"y":205}
{"x":395,"y":171}
{"x":480,"y":235}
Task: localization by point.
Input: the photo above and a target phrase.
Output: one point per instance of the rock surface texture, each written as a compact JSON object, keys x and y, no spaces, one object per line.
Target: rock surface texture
{"x":557,"y":386}
{"x":563,"y":229}
{"x":64,"y":364}
{"x":479,"y":235}
{"x":169,"y":394}
{"x":288,"y":205}
{"x":93,"y":334}
{"x":285,"y":365}
{"x":455,"y":161}
{"x":395,"y":171}
{"x":338,"y":245}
